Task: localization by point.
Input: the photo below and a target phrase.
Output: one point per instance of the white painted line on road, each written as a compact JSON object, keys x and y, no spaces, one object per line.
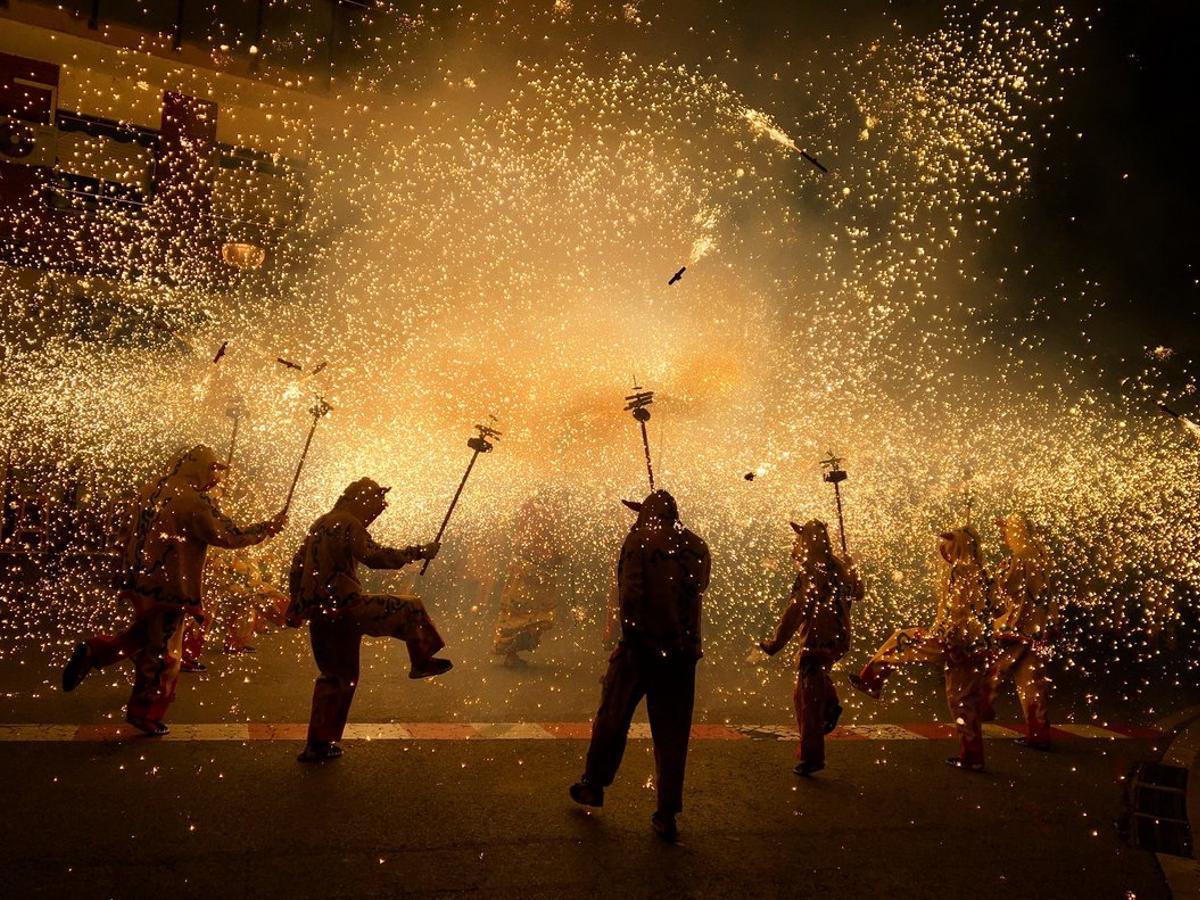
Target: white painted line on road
{"x":38,"y":732}
{"x":1091,"y":731}
{"x":525,"y":731}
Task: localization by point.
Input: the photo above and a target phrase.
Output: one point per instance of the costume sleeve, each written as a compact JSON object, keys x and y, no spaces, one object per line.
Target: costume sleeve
{"x":375,"y":556}
{"x":630,"y":583}
{"x":215,"y":528}
{"x":695,"y":602}
{"x":791,"y":619}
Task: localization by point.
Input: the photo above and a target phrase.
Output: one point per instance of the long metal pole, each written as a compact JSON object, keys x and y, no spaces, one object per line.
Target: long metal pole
{"x":837,"y":493}
{"x":453,"y":503}
{"x":646,"y":447}
{"x":232,"y":440}
{"x":300,"y":465}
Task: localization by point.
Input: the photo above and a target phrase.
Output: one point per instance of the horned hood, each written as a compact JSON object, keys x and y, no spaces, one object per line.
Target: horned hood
{"x":658,"y":509}
{"x":195,"y":466}
{"x":961,"y":547}
{"x":363,"y":499}
{"x":812,"y":544}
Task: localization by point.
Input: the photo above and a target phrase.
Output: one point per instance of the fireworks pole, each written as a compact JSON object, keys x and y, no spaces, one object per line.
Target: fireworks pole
{"x":637,"y":403}
{"x":1181,"y":419}
{"x":319,"y":410}
{"x":233,"y":411}
{"x":832,"y":472}
{"x":968,"y":499}
{"x":479,"y":444}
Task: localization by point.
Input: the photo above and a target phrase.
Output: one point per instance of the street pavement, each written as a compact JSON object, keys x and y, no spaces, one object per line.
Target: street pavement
{"x":448,"y":815}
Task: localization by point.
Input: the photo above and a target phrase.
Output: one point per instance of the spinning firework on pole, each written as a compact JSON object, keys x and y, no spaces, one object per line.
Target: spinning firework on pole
{"x":638,"y":403}
{"x":319,"y":410}
{"x":832,"y":472}
{"x":479,"y":444}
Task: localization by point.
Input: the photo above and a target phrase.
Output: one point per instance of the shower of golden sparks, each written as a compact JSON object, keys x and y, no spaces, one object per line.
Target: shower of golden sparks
{"x":469,"y":250}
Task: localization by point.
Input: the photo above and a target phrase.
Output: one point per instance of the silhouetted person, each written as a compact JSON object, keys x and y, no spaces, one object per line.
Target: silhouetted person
{"x":662,"y":575}
{"x":957,"y":639}
{"x":326,"y":592}
{"x":175,"y":523}
{"x":529,"y":598}
{"x":1024,"y":628}
{"x":819,"y":612}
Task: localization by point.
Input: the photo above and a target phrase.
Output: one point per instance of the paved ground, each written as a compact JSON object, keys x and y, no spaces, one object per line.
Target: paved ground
{"x":239,"y":817}
{"x":390,"y":817}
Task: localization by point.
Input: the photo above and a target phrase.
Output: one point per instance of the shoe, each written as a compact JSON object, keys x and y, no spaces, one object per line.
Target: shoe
{"x":1044,"y":746}
{"x":807,"y":768}
{"x":77,"y":668}
{"x":586,"y":794}
{"x":319,"y":751}
{"x":148,"y":726}
{"x":834,"y":715}
{"x":955,"y":763}
{"x":192,"y":665}
{"x":665,"y":827}
{"x":432,"y":669}
{"x":873,"y":693}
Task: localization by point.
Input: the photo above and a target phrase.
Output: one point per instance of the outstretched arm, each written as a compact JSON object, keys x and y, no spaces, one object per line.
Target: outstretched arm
{"x":791,"y":619}
{"x":214,"y":527}
{"x":376,"y":556}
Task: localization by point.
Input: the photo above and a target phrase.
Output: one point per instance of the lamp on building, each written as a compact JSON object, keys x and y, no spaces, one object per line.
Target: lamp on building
{"x":242,"y":255}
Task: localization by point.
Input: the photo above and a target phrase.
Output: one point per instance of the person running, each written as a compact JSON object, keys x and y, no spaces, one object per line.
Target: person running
{"x":175,"y":523}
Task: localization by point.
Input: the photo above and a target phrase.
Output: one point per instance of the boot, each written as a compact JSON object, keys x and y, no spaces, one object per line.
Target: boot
{"x":585,"y":793}
{"x":319,"y":751}
{"x":665,"y":827}
{"x":77,"y":668}
{"x":432,"y":668}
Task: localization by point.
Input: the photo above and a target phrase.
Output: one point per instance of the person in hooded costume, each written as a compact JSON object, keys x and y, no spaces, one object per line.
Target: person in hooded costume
{"x":662,"y":574}
{"x":958,"y":639}
{"x":235,"y":593}
{"x":325,"y":591}
{"x":1023,"y":629}
{"x":819,"y":612}
{"x":175,"y":523}
{"x":529,"y":598}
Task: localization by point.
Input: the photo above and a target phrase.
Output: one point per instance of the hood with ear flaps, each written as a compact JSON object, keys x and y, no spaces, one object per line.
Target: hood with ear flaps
{"x":1018,"y":535}
{"x":195,"y":465}
{"x":658,"y":506}
{"x":812,"y":542}
{"x":361,"y":498}
{"x":961,"y":546}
